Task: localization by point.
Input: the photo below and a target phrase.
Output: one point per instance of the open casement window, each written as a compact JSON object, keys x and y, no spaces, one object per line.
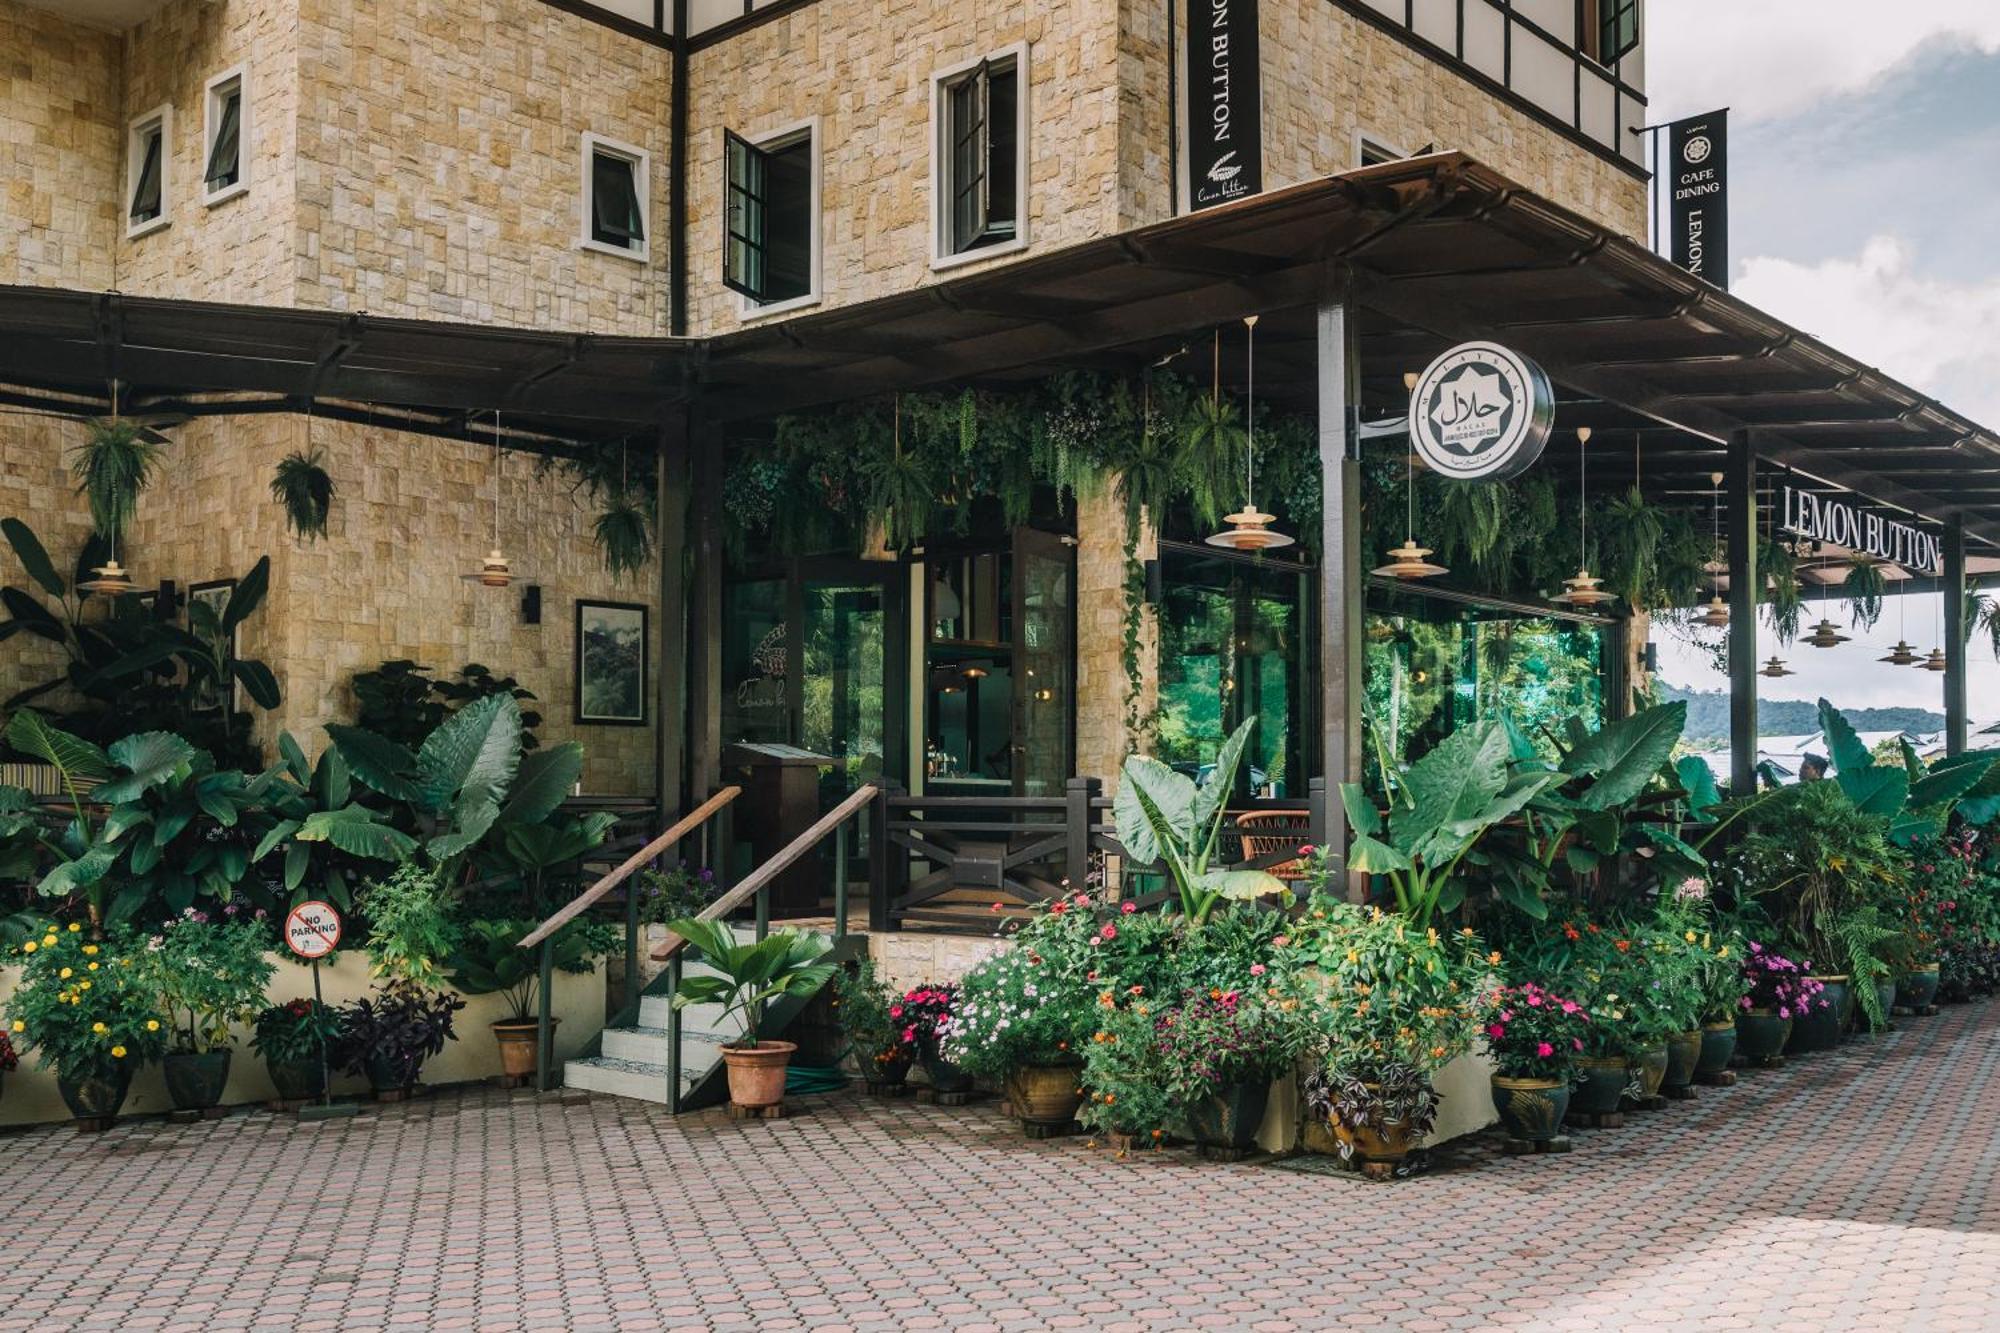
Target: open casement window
{"x":769,"y":218}
{"x":617,"y":214}
{"x":225,"y":129}
{"x":983,"y":168}
{"x":1608,"y":29}
{"x":146,"y":205}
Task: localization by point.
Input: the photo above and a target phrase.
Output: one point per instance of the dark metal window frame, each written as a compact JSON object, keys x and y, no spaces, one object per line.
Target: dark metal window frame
{"x":631,"y":234}
{"x":219,"y":175}
{"x":966,"y":138}
{"x":747,"y":198}
{"x":149,"y":183}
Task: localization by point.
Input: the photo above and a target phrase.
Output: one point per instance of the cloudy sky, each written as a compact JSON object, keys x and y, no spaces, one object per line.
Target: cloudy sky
{"x":1865,"y":209}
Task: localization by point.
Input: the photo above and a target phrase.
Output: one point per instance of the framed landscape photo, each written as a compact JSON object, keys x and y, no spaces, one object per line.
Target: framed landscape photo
{"x":206,"y":603}
{"x":610,"y":663}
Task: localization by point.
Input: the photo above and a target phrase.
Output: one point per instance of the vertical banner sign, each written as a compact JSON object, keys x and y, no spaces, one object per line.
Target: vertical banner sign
{"x":1225,"y":108}
{"x":1696,"y":174}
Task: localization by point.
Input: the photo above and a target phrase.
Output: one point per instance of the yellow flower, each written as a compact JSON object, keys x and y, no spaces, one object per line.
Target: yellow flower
{"x":75,"y":926}
{"x":29,"y":947}
{"x":49,"y":941}
{"x":83,"y":985}
{"x":98,"y":1027}
{"x":118,"y":1052}
{"x":152,"y":1025}
{"x":89,"y":950}
{"x":19,"y":1026}
{"x":1432,"y":934}
{"x":64,"y":974}
{"x":1690,"y":937}
{"x":93,"y":967}
{"x":1494,"y":958}
{"x":1723,"y":952}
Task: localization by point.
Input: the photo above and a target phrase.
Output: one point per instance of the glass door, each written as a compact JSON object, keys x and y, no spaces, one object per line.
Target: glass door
{"x":1044,"y":665}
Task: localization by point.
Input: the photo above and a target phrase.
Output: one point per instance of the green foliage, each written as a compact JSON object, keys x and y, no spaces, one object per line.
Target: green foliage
{"x":302,"y":487}
{"x":1036,"y":1002}
{"x":488,"y":958}
{"x":1865,"y":588}
{"x":297,"y":1031}
{"x":1165,"y":817}
{"x":112,"y":468}
{"x":748,"y":976}
{"x":411,"y":934}
{"x":399,"y":701}
{"x":683,"y":890}
{"x":1125,"y":1075}
{"x":207,"y":975}
{"x":864,"y":1005}
{"x":1783,"y":597}
{"x":326,"y":836}
{"x":84,"y":1005}
{"x":624,"y":533}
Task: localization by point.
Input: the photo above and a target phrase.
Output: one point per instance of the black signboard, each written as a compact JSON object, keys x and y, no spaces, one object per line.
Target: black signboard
{"x":1696,"y":173}
{"x":1224,"y":103}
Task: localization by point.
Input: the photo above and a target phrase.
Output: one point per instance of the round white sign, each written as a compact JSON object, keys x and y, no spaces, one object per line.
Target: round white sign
{"x":312,"y":930}
{"x":1481,"y":413}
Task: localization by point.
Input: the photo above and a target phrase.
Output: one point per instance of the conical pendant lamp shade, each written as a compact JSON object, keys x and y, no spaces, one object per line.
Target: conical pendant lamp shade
{"x":1776,"y":668}
{"x":1249,"y":527}
{"x":1408,"y":562}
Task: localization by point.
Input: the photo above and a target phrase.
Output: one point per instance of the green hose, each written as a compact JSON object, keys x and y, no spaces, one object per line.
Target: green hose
{"x":804,"y":1080}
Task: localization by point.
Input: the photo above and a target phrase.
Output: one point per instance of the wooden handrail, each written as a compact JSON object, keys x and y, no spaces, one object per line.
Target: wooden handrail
{"x":683,"y":826}
{"x":771,"y":869}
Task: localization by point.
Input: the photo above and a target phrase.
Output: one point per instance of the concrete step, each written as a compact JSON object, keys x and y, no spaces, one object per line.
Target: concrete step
{"x":638,"y":1079}
{"x":650,"y":1045}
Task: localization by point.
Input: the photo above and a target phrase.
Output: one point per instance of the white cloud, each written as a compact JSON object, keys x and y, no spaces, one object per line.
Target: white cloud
{"x":1939,"y":336}
{"x":1768,"y":57}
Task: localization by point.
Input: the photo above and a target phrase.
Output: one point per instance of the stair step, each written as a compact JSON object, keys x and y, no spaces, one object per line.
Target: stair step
{"x":638,"y":1079}
{"x":650,"y":1045}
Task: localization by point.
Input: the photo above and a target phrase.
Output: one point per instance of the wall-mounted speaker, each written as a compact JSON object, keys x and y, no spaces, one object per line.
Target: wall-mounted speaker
{"x":531,"y":604}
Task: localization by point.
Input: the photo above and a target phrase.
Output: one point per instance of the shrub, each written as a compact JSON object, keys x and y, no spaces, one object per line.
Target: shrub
{"x":683,"y":891}
{"x":1777,"y":983}
{"x":208,"y":975}
{"x":1221,"y":1038}
{"x":1034,"y":1003}
{"x":396,"y":1031}
{"x":1533,"y":1032}
{"x":84,"y":1006}
{"x":410,"y":930}
{"x":1125,"y":1073}
{"x":871,"y":1018}
{"x":293,"y":1032}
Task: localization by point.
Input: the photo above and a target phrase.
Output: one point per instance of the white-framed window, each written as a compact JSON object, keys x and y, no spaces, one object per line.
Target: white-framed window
{"x":1372,"y":150}
{"x":617,"y":209}
{"x":979,"y":156}
{"x":225,"y":136}
{"x":770,"y":218}
{"x":149,"y":142}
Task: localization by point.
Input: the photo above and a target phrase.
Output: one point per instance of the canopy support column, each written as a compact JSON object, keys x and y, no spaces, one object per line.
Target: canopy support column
{"x":670,"y":641}
{"x":1740,"y":517}
{"x":704,"y":641}
{"x":1342,"y":575}
{"x":1955,"y":630}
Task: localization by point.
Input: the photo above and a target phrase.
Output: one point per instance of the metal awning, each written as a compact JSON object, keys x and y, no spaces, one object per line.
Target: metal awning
{"x":1436,"y":250}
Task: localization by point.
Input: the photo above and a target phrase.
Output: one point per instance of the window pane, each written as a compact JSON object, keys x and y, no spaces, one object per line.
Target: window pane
{"x":1621,"y":30}
{"x":788,"y":221}
{"x":223,"y":156}
{"x":146,"y":193}
{"x":744,"y":222}
{"x":614,"y":202}
{"x":968,"y":163}
{"x":1002,"y":166}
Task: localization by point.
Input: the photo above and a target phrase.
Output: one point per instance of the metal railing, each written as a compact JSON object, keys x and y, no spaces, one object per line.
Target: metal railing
{"x":757,"y":886}
{"x":543,"y":936}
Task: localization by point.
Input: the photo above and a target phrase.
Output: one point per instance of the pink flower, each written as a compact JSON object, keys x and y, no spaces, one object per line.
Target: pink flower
{"x":1783,"y":1012}
{"x":1495,"y":1031}
{"x":1571,"y":1006}
{"x":1544,"y":1050}
{"x":895,"y":1011}
{"x":1108,"y":931}
{"x":1256,"y":969}
{"x":1535,"y":1001}
{"x":1128,"y":908}
{"x":1281,"y":940}
{"x":1577,"y":1042}
{"x":1081,"y":900}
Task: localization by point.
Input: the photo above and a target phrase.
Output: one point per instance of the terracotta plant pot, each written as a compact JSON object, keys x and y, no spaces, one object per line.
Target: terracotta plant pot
{"x":97,"y":1094}
{"x":1531,"y":1109}
{"x":757,"y":1073}
{"x":1683,"y":1054}
{"x":1652,"y":1070}
{"x":1602,"y":1085}
{"x":1718,"y":1046}
{"x":195,"y":1081}
{"x":1229,"y":1117}
{"x":1044,"y":1094}
{"x":297,"y":1080}
{"x":1819,"y":1028}
{"x":942,"y":1073}
{"x":516,"y":1039}
{"x":1918,"y":987}
{"x":1761,"y":1034}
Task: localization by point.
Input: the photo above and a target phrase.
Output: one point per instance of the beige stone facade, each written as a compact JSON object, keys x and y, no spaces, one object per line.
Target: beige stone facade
{"x":61,"y":136}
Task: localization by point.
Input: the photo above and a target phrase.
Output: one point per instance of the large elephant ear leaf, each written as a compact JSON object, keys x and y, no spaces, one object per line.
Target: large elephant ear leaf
{"x":74,"y":758}
{"x":544,"y":779}
{"x":33,"y":556}
{"x":1698,"y":781}
{"x":1154,"y":809}
{"x":377,"y":763}
{"x":152,"y":757}
{"x":1945,"y":785}
{"x":248,"y":594}
{"x":356,"y":831}
{"x":1876,"y":791}
{"x":1221,"y":780}
{"x":1842,"y":742}
{"x":1624,"y":755}
{"x":474,"y":753}
{"x":1453,"y":782}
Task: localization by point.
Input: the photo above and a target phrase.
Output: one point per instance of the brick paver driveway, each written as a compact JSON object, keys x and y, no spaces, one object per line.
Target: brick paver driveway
{"x":1851,"y":1190}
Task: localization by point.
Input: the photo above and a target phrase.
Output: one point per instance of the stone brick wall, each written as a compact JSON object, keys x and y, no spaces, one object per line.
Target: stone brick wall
{"x":865,"y":70}
{"x":440,"y":168}
{"x":1102,"y":737}
{"x":61,"y":137}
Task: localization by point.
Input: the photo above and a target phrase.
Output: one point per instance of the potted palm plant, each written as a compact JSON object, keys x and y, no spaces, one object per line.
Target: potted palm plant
{"x":744,"y":978}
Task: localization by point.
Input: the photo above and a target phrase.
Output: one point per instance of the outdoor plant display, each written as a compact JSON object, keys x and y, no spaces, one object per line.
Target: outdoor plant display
{"x":88,"y":1013}
{"x":9,"y":1061}
{"x":873,"y":1021}
{"x":1166,"y":817}
{"x":1390,"y":1004}
{"x":291,"y":1037}
{"x":1779,"y":993}
{"x":488,"y":959}
{"x":1718,"y":976}
{"x":747,"y":977}
{"x":925,"y":1013}
{"x":1127,"y":1096}
{"x":1219,"y":1050}
{"x":388,"y":1036}
{"x":208,"y":975}
{"x":411,"y":936}
{"x":1534,"y":1036}
{"x":684,"y":890}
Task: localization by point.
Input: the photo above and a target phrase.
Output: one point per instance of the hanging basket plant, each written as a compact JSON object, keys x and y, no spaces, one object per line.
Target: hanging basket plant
{"x":302,"y":487}
{"x":113,"y":467}
{"x":1784,"y":598}
{"x":1864,"y":589}
{"x":1634,"y":530}
{"x":624,"y":532}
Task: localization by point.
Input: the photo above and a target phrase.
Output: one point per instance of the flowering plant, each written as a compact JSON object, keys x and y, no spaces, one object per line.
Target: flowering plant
{"x":293,"y":1032}
{"x":82,"y":1004}
{"x":9,"y":1061}
{"x":1534,"y":1032}
{"x":682,"y":891}
{"x":1032,"y":1004}
{"x":1125,"y":1073}
{"x":1224,"y":1037}
{"x":208,"y":974}
{"x":1779,"y":984}
{"x":870,"y":1019}
{"x":396,"y":1031}
{"x":924,"y":1013}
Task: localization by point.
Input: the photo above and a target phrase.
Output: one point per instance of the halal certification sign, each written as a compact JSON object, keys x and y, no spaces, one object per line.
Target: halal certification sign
{"x":1481,"y":413}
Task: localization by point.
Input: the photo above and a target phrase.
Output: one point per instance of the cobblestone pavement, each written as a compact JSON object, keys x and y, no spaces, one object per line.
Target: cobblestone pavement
{"x":1850,"y":1190}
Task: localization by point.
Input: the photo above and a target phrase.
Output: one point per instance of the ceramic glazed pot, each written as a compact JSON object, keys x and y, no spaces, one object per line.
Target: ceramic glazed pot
{"x":757,"y":1073}
{"x":1229,"y":1118}
{"x":516,"y":1039}
{"x":1683,"y":1054}
{"x":887,"y":1075}
{"x":1531,"y":1108}
{"x":943,"y":1074}
{"x":1652,"y":1070}
{"x":195,"y":1082}
{"x":1885,"y":991}
{"x":1718,"y":1046}
{"x":1819,"y":1028}
{"x":1602,"y":1084}
{"x":296,"y":1080}
{"x":1917,"y":987}
{"x":1761,"y":1034}
{"x":98,"y":1093}
{"x":1044,"y":1094}
{"x":387,"y":1074}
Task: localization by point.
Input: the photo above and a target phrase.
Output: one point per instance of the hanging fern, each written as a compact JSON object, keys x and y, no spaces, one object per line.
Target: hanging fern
{"x":1471,"y":523}
{"x":624,"y":532}
{"x":113,"y":467}
{"x":1631,"y":529}
{"x":1864,"y":590}
{"x":1785,"y":601}
{"x":302,"y":487}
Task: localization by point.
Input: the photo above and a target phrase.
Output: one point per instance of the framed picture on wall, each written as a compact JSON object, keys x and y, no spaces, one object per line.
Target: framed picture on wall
{"x":610,"y":663}
{"x":206,"y":602}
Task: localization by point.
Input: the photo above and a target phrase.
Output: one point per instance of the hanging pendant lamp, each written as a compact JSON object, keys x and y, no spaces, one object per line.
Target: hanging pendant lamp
{"x":1936,"y":661}
{"x":1825,"y":634}
{"x":1409,"y":561}
{"x":1584,"y":589}
{"x":1717,"y":614}
{"x":1905,"y":652}
{"x":1776,"y":667}
{"x":110,"y":578}
{"x":494,"y":571}
{"x":1249,"y":528}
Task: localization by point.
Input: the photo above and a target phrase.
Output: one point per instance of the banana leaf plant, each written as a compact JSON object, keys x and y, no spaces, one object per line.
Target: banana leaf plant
{"x":749,"y":976}
{"x":1168,"y":818}
{"x":1440,"y":809}
{"x":328,"y":838}
{"x":1916,"y":798}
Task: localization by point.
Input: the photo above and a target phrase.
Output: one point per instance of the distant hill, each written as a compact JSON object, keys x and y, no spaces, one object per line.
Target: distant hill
{"x":1708,"y":715}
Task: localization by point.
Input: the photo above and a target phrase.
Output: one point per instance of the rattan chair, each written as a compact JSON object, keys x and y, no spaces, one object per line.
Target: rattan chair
{"x":1266,"y":831}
